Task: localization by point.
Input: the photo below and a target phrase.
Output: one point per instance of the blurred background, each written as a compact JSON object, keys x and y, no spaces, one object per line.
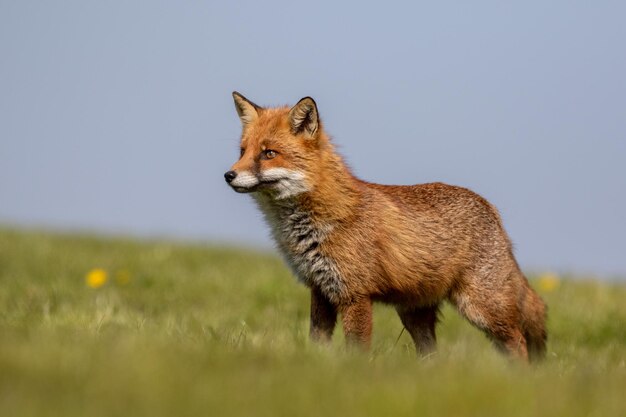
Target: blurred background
{"x":116,"y":117}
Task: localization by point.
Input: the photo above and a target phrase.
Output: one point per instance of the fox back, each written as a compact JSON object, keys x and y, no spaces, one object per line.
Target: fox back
{"x":353,"y":242}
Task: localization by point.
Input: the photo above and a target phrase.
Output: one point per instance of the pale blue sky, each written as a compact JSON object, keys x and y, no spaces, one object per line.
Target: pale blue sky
{"x":117,"y":116}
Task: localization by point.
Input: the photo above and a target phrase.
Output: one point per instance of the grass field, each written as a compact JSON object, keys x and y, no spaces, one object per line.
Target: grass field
{"x":177,"y":330}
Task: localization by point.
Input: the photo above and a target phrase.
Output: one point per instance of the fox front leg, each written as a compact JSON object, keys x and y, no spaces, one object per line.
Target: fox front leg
{"x":323,"y":317}
{"x":357,"y":323}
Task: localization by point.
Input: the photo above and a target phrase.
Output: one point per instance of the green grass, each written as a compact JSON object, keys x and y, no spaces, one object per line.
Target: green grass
{"x":211,"y":331}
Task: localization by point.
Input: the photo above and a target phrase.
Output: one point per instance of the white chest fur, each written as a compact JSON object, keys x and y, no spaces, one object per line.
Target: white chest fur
{"x":300,"y":239}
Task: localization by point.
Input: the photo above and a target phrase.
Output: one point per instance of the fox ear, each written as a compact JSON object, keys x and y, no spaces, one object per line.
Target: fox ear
{"x":303,"y":117}
{"x":247,"y":110}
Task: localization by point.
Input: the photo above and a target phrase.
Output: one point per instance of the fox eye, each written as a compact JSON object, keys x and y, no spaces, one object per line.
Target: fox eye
{"x":241,"y":152}
{"x":269,"y":154}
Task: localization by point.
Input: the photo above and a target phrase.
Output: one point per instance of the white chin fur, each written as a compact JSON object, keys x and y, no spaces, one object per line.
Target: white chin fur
{"x":289,"y":182}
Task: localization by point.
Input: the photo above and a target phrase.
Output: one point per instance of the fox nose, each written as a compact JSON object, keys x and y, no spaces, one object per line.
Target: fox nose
{"x":229,"y":176}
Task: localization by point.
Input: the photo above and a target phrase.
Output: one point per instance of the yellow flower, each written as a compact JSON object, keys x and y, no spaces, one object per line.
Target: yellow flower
{"x":548,"y":282}
{"x":96,"y":278}
{"x":122,"y":277}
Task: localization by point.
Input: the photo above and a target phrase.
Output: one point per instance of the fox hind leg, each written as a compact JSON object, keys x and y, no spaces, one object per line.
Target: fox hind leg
{"x":534,"y":312}
{"x":499,"y":318}
{"x":420,"y":322}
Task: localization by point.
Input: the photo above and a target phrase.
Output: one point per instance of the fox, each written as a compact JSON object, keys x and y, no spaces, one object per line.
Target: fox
{"x":354,"y":243}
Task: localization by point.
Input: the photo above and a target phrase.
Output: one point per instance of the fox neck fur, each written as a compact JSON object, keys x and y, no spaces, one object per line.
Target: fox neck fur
{"x":301,"y":224}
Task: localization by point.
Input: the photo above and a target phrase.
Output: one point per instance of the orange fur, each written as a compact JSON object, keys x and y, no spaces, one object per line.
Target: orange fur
{"x":354,"y":242}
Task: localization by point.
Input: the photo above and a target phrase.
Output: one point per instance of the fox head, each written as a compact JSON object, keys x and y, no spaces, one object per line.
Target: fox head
{"x":279,"y":148}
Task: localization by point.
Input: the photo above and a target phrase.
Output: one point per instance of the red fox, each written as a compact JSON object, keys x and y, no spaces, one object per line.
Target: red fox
{"x":353,"y":242}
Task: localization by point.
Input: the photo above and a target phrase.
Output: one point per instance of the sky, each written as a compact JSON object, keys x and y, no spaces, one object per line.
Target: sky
{"x":116,"y":117}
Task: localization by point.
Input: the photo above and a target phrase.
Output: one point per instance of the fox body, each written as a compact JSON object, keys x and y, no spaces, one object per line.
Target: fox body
{"x":353,"y":242}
